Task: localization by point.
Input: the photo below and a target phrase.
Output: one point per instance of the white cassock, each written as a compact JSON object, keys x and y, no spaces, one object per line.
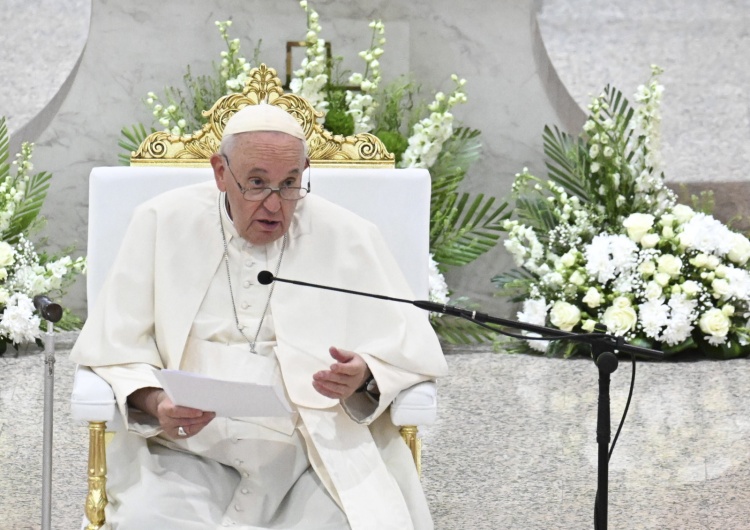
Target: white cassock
{"x":167,"y":304}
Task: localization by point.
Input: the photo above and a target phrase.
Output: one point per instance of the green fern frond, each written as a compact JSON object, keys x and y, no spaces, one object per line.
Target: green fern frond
{"x":130,"y":141}
{"x":462,"y":230}
{"x":459,"y":152}
{"x":4,"y":149}
{"x":28,"y":210}
{"x":455,"y":330}
{"x":514,"y":284}
{"x":567,"y":161}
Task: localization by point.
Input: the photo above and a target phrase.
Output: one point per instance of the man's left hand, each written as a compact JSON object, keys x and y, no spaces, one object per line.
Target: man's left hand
{"x":346,"y":375}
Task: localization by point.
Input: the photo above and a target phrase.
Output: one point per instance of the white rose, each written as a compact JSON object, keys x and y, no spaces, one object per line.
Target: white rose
{"x":667,"y":219}
{"x":564,"y":315}
{"x":740,"y":251}
{"x":637,"y":224}
{"x":669,"y":264}
{"x":662,"y":278}
{"x":667,"y":232}
{"x":713,"y":262}
{"x":6,"y":254}
{"x":715,"y":323}
{"x":621,"y":301}
{"x":690,"y":288}
{"x":683,"y":213}
{"x":3,"y":274}
{"x":568,"y":259}
{"x":728,"y":310}
{"x":699,"y":261}
{"x":647,"y":268}
{"x":619,"y":320}
{"x":588,"y":325}
{"x":650,"y":240}
{"x":720,"y":287}
{"x":653,"y":291}
{"x":593,"y":298}
{"x":577,"y":278}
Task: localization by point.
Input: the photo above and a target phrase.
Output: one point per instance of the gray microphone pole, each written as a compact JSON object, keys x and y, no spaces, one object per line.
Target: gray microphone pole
{"x":51,"y":312}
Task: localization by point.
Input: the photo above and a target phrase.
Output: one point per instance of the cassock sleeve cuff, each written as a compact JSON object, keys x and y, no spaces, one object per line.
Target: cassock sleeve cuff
{"x":124,"y":380}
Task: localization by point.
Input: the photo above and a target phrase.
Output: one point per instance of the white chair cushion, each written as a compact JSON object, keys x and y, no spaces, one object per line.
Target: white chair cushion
{"x":416,"y":405}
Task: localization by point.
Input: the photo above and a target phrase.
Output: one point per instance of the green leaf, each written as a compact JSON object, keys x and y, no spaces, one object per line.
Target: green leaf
{"x":131,"y":141}
{"x":462,"y":230}
{"x":455,"y":330}
{"x":459,"y":152}
{"x":28,"y":209}
{"x":568,"y":161}
{"x":514,"y":284}
{"x":4,"y":149}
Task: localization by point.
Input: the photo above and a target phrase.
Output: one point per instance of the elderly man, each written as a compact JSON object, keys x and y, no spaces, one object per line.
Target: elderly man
{"x":183,"y":294}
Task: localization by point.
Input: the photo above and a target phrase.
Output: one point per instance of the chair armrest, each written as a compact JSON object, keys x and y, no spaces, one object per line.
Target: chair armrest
{"x":92,"y":398}
{"x":416,"y":405}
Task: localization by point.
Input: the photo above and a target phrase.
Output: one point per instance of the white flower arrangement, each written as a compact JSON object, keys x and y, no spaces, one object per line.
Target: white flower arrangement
{"x":25,"y":274}
{"x":604,"y":240}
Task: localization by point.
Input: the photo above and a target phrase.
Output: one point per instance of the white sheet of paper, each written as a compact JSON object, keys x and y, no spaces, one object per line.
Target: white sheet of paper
{"x":226,"y":398}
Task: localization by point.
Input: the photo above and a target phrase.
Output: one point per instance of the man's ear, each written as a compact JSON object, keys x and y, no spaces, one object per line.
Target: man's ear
{"x":218,"y":163}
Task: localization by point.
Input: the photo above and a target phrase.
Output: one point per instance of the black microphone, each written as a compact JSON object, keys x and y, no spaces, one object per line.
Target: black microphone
{"x":47,"y":308}
{"x":265,"y":278}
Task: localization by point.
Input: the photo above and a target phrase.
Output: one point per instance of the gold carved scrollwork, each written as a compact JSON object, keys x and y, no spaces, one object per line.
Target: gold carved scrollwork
{"x":96,"y":500}
{"x":263,"y":86}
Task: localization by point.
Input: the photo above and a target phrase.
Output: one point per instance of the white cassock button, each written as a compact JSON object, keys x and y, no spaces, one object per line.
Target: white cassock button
{"x":237,"y":508}
{"x":247,"y":283}
{"x":245,"y":474}
{"x":249,"y":263}
{"x":245,"y":491}
{"x":245,"y":305}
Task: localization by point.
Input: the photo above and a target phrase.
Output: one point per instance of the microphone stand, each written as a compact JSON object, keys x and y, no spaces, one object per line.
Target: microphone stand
{"x":51,"y":312}
{"x":603,"y":348}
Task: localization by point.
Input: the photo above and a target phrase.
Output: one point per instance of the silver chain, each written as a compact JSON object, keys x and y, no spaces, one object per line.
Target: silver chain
{"x":231,"y":292}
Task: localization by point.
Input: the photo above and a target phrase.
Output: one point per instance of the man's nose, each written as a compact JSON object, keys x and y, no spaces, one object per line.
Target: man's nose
{"x":272,"y":203}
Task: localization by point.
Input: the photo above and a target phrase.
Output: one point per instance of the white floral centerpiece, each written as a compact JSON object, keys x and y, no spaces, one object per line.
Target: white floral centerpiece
{"x":419,"y":134}
{"x":24,"y":273}
{"x":604,"y":240}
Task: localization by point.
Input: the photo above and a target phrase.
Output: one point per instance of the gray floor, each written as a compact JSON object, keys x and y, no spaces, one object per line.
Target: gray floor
{"x":514,"y":446}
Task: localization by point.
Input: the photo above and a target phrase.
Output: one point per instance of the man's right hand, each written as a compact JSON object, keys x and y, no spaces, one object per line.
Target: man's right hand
{"x":171,"y":417}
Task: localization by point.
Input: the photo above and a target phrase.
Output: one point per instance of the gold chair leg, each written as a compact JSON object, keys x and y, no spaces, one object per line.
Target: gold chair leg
{"x":409,"y":434}
{"x":96,"y":499}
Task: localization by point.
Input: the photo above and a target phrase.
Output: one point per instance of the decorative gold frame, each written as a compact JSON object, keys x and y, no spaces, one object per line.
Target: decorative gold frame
{"x":263,"y":85}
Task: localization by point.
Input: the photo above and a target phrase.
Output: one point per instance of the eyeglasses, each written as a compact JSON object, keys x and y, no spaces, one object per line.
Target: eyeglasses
{"x":257,"y":191}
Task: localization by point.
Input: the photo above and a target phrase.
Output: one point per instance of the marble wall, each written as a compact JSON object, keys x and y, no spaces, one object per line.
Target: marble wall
{"x":137,"y":46}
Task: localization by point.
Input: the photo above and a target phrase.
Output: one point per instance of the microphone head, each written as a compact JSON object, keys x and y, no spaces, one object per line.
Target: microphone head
{"x":265,"y":277}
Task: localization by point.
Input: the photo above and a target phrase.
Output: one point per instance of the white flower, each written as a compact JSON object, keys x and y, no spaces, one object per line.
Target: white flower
{"x":669,"y":264}
{"x":577,"y":278}
{"x":7,"y":254}
{"x":715,"y":324}
{"x":739,"y":252}
{"x":620,"y":317}
{"x":681,"y":318}
{"x":662,"y":278}
{"x":690,"y":288}
{"x":18,"y":322}
{"x":564,"y":315}
{"x":593,"y":298}
{"x":438,"y":286}
{"x":650,"y":240}
{"x":534,"y":312}
{"x":682,"y":213}
{"x":653,"y":291}
{"x":637,"y":224}
{"x":720,"y":288}
{"x":654,"y":315}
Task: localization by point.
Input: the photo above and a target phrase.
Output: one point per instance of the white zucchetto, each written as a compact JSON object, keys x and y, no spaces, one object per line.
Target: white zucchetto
{"x":263,"y":117}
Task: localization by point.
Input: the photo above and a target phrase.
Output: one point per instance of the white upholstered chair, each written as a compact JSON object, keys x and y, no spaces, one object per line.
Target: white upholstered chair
{"x":386,"y":197}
